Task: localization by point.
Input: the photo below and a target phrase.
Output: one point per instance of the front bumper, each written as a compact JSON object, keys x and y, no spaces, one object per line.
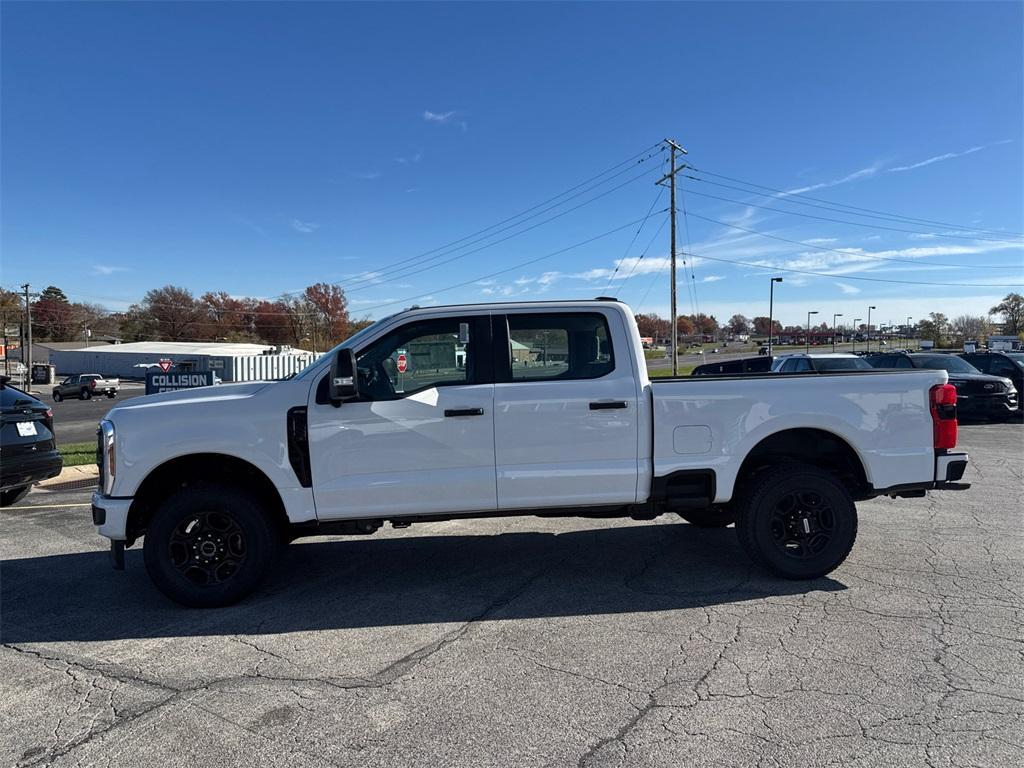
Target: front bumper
{"x":26,"y":470}
{"x":980,"y":406}
{"x":110,"y":516}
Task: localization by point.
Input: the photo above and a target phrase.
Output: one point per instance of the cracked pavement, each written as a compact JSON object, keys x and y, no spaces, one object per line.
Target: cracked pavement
{"x":533,"y":642}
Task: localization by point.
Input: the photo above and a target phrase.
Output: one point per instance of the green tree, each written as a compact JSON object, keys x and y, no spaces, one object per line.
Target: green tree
{"x":1012,"y":310}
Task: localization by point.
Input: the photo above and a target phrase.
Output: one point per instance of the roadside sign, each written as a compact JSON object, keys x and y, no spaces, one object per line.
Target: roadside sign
{"x":171,"y":382}
{"x":403,"y":362}
{"x":165,"y":365}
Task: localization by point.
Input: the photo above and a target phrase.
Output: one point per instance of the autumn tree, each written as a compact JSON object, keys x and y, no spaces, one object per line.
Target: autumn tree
{"x":174,"y":312}
{"x":1012,"y":310}
{"x":329,"y":312}
{"x":227,"y":317}
{"x":739,"y":325}
{"x":761,"y":325}
{"x":933,"y":328}
{"x":53,"y":317}
{"x":652,"y":325}
{"x":271,"y":322}
{"x":970,"y":328}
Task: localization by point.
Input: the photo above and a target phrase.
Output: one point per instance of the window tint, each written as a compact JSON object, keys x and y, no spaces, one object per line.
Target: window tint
{"x":795,"y":365}
{"x":1000,"y":367}
{"x":414,"y":357}
{"x":557,"y":346}
{"x":981,"y":362}
{"x":840,"y":364}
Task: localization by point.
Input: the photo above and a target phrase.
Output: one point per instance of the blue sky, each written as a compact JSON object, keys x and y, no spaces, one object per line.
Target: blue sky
{"x":259,"y":147}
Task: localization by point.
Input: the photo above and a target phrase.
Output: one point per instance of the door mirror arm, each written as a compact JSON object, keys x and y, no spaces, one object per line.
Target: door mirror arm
{"x":343,"y":381}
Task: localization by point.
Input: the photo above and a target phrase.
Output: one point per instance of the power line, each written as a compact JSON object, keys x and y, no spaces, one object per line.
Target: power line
{"x":837,"y":208}
{"x":509,"y":269}
{"x":841,"y":221}
{"x":855,"y":277}
{"x":915,"y":262}
{"x":400,"y":275}
{"x":887,"y":214}
{"x":636,"y":263}
{"x":657,"y":197}
{"x":637,"y":159}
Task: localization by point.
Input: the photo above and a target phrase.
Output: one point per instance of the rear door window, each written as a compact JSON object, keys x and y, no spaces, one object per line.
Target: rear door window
{"x":568,"y":346}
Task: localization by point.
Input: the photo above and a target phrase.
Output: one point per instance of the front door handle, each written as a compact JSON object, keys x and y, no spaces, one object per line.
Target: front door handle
{"x":608,"y":405}
{"x":464,"y":412}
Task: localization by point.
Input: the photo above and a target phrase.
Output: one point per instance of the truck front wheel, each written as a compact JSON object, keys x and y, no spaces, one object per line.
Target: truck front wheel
{"x":797,"y":521}
{"x":209,"y":546}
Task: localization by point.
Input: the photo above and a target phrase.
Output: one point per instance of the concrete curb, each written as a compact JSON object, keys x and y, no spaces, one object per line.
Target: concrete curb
{"x":86,"y":472}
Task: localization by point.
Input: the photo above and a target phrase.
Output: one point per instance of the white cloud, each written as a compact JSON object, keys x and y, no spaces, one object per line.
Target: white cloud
{"x":862,"y":173}
{"x":438,"y":117}
{"x":712,"y":278}
{"x":848,"y":289}
{"x":305,"y":227}
{"x":107,"y":269}
{"x":946,"y":156}
{"x":820,"y":240}
{"x":411,"y":159}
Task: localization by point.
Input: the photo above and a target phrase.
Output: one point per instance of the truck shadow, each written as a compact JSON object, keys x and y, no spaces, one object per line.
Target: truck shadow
{"x":407,"y":579}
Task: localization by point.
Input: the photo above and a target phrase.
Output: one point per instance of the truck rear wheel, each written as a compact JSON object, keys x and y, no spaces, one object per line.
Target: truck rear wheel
{"x":209,"y":545}
{"x":85,"y":394}
{"x":797,"y":521}
{"x":709,"y":517}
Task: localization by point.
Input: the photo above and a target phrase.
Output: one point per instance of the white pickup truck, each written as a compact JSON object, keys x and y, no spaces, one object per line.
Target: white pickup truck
{"x":540,"y":408}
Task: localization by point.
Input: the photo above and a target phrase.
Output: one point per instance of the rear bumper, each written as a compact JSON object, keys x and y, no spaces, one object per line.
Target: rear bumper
{"x":949,"y":469}
{"x":26,"y":470}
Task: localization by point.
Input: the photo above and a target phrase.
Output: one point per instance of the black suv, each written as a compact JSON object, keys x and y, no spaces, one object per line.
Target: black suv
{"x":761,"y":364}
{"x":28,"y":449}
{"x":979,"y":395}
{"x":1009,"y":365}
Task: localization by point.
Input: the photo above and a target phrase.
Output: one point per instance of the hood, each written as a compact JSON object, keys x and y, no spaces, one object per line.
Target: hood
{"x":218,"y":393}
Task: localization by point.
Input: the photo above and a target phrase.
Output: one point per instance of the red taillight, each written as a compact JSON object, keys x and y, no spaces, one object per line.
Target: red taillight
{"x":943,"y":406}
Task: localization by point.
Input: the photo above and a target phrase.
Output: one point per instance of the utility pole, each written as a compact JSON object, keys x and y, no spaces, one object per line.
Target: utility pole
{"x":834,"y":316}
{"x":26,"y":353}
{"x":673,"y":148}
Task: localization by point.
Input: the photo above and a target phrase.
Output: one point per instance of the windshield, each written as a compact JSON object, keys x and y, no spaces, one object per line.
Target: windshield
{"x":950,"y":363}
{"x":1017,"y":357}
{"x":840,"y":364}
{"x":351,"y":341}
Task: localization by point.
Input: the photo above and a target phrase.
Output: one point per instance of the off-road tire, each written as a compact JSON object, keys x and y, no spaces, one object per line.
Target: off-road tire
{"x":230,"y":525}
{"x":771,"y":510}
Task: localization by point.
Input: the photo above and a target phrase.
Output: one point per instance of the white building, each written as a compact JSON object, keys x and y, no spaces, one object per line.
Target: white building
{"x":229,"y":362}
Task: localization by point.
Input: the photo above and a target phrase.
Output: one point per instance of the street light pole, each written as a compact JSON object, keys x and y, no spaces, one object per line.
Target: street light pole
{"x":834,"y":316}
{"x":807,"y":335}
{"x":855,"y":321}
{"x":869,"y":327}
{"x":771,"y":310}
{"x":909,"y":318}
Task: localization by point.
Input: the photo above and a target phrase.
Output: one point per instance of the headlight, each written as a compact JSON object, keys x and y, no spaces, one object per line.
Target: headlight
{"x":107,"y":457}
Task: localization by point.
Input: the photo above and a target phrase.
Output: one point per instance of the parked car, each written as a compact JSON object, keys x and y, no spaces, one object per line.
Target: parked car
{"x":85,"y":385}
{"x":28,"y":449}
{"x":801,"y":362}
{"x":734,"y":367}
{"x":1006,"y":364}
{"x":552,"y":414}
{"x":979,"y":395}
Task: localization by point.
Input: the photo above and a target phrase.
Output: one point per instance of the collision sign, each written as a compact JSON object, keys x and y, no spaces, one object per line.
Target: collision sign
{"x":171,"y":382}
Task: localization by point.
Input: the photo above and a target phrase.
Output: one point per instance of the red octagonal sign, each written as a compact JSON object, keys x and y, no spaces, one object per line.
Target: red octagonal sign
{"x":403,"y":363}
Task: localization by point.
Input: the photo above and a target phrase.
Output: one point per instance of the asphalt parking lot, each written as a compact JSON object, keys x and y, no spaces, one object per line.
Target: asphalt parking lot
{"x":533,"y":642}
{"x":75,"y":420}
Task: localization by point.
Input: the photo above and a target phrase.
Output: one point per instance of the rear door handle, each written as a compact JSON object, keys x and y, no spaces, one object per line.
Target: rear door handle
{"x":464,"y":412}
{"x":608,"y":405}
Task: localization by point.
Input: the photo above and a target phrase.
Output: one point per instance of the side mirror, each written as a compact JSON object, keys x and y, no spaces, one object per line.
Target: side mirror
{"x":343,"y":381}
